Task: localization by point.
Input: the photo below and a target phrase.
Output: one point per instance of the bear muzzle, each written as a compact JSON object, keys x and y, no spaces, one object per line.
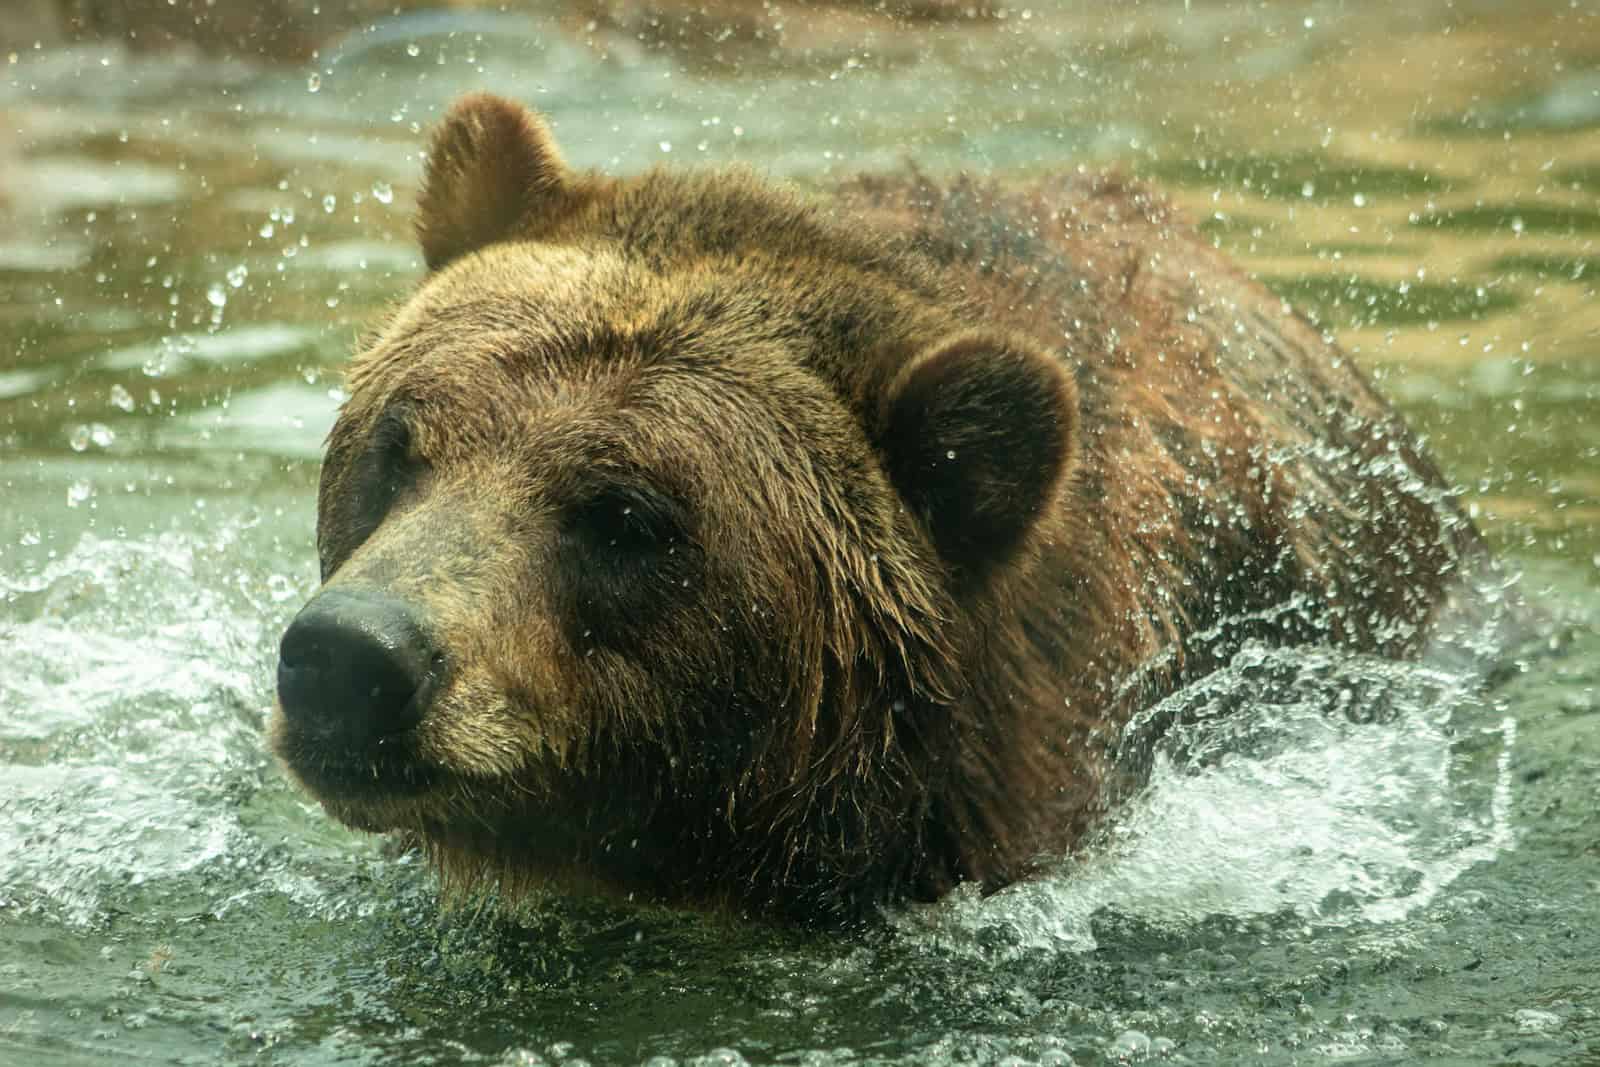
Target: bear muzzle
{"x":356,"y":668}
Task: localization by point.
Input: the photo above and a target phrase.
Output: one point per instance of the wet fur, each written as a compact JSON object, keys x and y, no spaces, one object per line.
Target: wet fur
{"x":866,"y":670}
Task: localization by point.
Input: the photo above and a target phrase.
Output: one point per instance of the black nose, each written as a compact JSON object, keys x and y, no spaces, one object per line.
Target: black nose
{"x":355,"y":667}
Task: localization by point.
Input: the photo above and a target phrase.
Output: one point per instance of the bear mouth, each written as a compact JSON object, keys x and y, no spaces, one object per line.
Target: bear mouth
{"x":368,"y":776}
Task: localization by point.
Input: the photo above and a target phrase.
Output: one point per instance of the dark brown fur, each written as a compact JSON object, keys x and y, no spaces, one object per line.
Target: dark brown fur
{"x":931,"y":489}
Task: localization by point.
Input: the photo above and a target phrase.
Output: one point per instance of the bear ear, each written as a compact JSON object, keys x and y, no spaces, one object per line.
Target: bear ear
{"x":493,"y":171}
{"x":979,"y":433}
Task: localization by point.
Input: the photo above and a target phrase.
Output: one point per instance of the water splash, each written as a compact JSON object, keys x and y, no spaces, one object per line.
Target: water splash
{"x":1342,"y":788}
{"x":130,"y":723}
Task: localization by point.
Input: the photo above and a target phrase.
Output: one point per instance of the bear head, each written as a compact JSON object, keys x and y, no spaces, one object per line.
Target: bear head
{"x":662,"y":536}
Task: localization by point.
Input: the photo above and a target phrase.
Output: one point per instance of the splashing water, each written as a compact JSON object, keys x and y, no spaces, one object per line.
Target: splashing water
{"x":1341,"y":787}
{"x":129,"y":711}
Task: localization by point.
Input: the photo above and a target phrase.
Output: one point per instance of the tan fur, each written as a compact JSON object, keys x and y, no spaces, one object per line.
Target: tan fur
{"x":869,"y":666}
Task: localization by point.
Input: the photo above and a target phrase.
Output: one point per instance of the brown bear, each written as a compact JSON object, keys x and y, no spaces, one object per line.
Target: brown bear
{"x":690,"y":538}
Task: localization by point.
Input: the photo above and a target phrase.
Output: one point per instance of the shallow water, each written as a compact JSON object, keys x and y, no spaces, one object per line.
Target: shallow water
{"x":1360,"y":861}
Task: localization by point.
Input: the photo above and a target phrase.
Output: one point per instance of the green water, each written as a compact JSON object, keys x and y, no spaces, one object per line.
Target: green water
{"x":189,"y":247}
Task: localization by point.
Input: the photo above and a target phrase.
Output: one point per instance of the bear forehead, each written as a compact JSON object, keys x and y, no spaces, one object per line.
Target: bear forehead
{"x":527,"y":324}
{"x":524,"y":346}
{"x":530,"y":306}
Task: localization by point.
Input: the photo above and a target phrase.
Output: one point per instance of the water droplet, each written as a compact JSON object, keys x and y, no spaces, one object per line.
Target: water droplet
{"x":78,"y":492}
{"x":216,"y":297}
{"x":413,"y":50}
{"x":666,"y":146}
{"x":79,"y":438}
{"x":329,"y":202}
{"x":1130,"y":1044}
{"x":101,"y":435}
{"x":236,"y":275}
{"x":1308,"y":190}
{"x":950,"y":454}
{"x":383,"y":192}
{"x":313,"y":82}
{"x":121,"y":399}
{"x":1534,"y":1021}
{"x":267,"y":229}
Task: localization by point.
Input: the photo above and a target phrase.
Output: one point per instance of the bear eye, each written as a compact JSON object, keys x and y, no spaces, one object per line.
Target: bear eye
{"x":626,"y":522}
{"x":391,"y":466}
{"x":365,"y":478}
{"x":630,"y":559}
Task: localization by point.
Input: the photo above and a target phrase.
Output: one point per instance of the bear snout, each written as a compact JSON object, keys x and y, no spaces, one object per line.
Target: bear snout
{"x":355,"y":667}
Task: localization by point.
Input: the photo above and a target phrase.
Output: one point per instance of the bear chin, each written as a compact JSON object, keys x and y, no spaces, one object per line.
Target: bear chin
{"x":352,"y":779}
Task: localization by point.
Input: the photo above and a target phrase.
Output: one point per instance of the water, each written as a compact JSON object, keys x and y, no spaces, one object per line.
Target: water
{"x":1337,"y":858}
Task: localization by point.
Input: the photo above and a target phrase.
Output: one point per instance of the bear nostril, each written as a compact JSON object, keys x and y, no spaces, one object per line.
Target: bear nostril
{"x":353,"y":666}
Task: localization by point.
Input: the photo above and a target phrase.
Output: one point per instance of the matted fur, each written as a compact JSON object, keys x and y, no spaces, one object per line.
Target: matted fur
{"x":941,"y":483}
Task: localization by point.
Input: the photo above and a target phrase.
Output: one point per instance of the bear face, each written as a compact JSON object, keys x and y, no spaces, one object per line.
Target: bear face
{"x":684,"y":538}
